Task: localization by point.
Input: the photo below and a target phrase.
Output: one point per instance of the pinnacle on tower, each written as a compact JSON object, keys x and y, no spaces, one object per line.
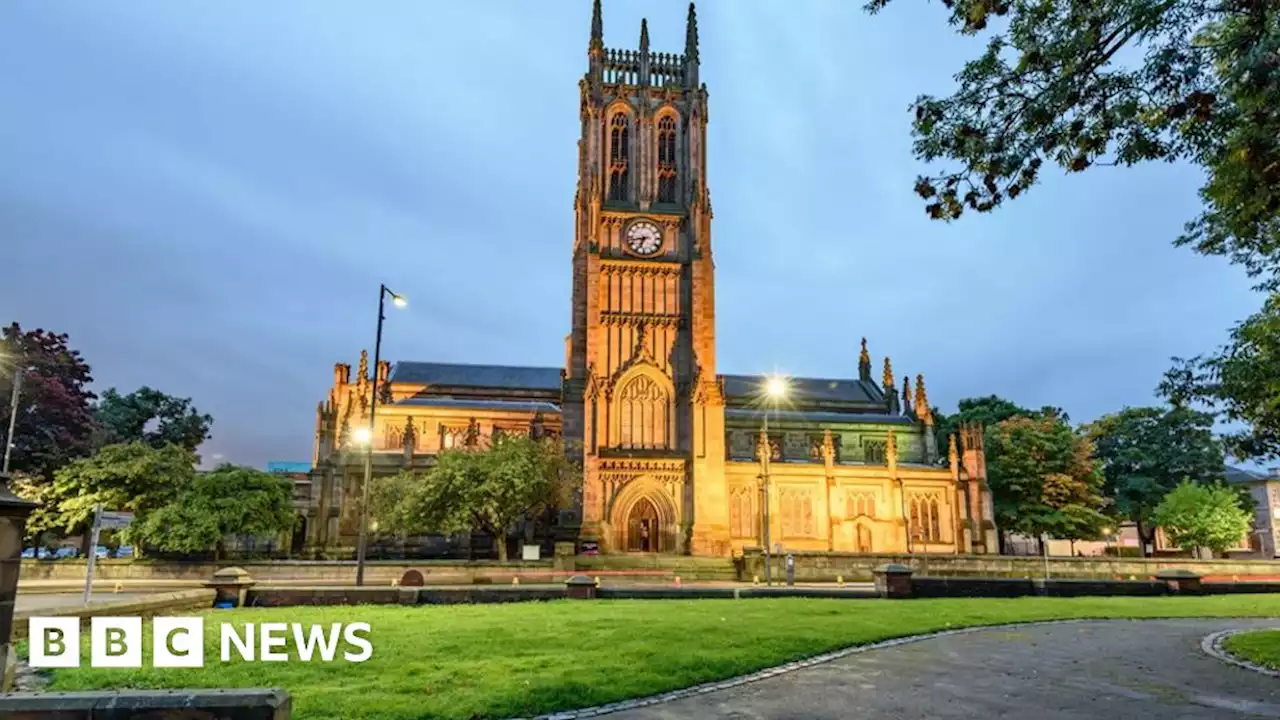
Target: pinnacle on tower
{"x":691,"y":35}
{"x":864,"y":363}
{"x":923,"y":411}
{"x":888,"y":376}
{"x":644,"y":36}
{"x":906,"y":395}
{"x":597,"y":27}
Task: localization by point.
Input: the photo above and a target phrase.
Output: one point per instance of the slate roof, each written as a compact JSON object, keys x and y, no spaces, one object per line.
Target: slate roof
{"x":449,"y":402}
{"x":507,"y":377}
{"x":812,"y":416}
{"x":1241,"y":475}
{"x":807,"y":389}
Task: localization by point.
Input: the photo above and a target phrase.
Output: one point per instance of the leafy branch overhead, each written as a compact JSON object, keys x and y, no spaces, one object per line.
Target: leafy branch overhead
{"x":1116,"y":82}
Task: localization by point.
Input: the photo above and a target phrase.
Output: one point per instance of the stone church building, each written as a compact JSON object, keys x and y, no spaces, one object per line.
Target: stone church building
{"x":672,"y":452}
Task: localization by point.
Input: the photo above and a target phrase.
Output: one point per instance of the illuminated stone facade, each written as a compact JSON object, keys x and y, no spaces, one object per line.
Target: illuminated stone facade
{"x":670,"y":449}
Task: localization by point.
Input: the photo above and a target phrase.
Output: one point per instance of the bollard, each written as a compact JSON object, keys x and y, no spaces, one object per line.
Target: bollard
{"x":515,"y":580}
{"x":119,"y":587}
{"x":677,"y":581}
{"x":597,"y":581}
{"x":840,"y":580}
{"x":395,"y":582}
{"x":755,"y":579}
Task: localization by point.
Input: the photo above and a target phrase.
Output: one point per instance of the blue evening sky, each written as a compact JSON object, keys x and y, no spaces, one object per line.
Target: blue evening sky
{"x":206,"y":196}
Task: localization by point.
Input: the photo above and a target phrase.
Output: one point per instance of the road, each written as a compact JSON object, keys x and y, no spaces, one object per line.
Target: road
{"x":1067,"y":671}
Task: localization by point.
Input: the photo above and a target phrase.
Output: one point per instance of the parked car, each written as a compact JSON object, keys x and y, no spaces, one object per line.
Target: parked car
{"x":124,"y":551}
{"x":65,"y":552}
{"x":29,"y":553}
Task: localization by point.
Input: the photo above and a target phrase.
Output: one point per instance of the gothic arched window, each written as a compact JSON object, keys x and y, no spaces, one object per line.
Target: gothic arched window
{"x":619,"y":155}
{"x":642,"y":414}
{"x":935,"y":521}
{"x":667,"y":160}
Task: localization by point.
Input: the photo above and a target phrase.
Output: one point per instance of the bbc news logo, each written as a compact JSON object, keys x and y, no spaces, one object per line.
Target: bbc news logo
{"x":178,"y":642}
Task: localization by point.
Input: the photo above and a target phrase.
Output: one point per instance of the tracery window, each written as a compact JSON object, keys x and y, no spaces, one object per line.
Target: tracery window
{"x":452,"y":438}
{"x":860,"y":503}
{"x":873,"y":451}
{"x":643,"y":408}
{"x":926,"y":519}
{"x":667,"y":160}
{"x":743,"y":516}
{"x":619,"y":155}
{"x":392,"y":437}
{"x":797,"y":513}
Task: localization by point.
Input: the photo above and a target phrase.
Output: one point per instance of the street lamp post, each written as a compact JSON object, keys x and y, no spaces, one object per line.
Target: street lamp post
{"x":14,"y":397}
{"x":775,"y":389}
{"x":361,"y":549}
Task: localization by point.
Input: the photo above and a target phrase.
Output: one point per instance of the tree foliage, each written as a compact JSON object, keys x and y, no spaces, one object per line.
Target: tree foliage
{"x":1195,"y":515}
{"x":1117,"y":82}
{"x":54,"y":420}
{"x":487,"y":490}
{"x":1239,"y":380}
{"x":152,"y":417}
{"x":132,"y":477}
{"x":1145,"y":452}
{"x":229,"y":500}
{"x":1044,"y":480}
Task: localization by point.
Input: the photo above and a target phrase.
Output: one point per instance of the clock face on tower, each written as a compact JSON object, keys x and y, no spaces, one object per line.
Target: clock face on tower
{"x":644,"y":238}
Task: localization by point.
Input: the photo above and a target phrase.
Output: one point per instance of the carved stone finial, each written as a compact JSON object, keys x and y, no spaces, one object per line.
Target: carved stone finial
{"x":923,"y":411}
{"x":473,"y":434}
{"x":362,"y":372}
{"x":691,"y":35}
{"x":828,"y":446}
{"x":906,"y":395}
{"x":891,"y":451}
{"x":953,"y":456}
{"x":597,"y":27}
{"x":864,"y":363}
{"x":888,"y":376}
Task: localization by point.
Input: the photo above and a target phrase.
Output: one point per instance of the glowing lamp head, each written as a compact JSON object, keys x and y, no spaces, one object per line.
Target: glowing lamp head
{"x":775,"y":387}
{"x":362,"y":436}
{"x":399,"y":301}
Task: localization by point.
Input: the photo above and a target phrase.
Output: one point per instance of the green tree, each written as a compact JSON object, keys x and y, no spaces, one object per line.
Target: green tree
{"x":229,"y":500}
{"x":1145,"y":452}
{"x":388,"y":505}
{"x":1238,"y":381}
{"x":488,"y":490}
{"x":988,"y":411}
{"x":132,"y":477}
{"x":1195,"y":515}
{"x":1116,"y":83}
{"x":1044,"y":480}
{"x":54,"y":418}
{"x":152,"y":417}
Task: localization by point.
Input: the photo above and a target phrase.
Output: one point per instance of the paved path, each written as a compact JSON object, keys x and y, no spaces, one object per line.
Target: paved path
{"x":32,"y":602}
{"x":1071,"y":671}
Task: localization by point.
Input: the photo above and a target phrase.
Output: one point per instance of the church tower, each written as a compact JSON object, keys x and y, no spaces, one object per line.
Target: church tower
{"x":642,"y":404}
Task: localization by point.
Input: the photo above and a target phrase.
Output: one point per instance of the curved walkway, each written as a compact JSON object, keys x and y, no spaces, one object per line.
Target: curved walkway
{"x":1077,"y":671}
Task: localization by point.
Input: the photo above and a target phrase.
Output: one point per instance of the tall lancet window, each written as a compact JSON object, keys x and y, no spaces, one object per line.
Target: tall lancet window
{"x":667,"y":160}
{"x":642,"y":421}
{"x":619,"y":155}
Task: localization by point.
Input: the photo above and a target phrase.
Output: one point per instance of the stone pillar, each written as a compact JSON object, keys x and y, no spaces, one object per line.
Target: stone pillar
{"x":232,"y":585}
{"x":13,"y":522}
{"x":893,"y":581}
{"x":565,"y":558}
{"x":580,"y":587}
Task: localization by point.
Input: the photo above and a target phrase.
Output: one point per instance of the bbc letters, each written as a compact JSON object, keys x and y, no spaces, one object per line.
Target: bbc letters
{"x":178,"y":642}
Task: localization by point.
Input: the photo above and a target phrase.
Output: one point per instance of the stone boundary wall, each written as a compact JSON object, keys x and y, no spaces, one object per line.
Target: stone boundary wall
{"x":152,"y":705}
{"x":149,"y":606}
{"x":852,"y":567}
{"x":624,"y":568}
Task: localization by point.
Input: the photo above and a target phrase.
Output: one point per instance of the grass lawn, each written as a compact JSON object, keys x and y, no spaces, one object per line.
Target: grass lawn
{"x":495,"y":661}
{"x":1261,"y":647}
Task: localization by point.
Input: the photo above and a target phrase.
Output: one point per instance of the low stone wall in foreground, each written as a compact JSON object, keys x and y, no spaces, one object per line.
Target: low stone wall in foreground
{"x":853,"y":567}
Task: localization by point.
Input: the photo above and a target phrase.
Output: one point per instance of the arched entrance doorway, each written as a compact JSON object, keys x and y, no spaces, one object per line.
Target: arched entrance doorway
{"x":644,"y":531}
{"x":863,"y":538}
